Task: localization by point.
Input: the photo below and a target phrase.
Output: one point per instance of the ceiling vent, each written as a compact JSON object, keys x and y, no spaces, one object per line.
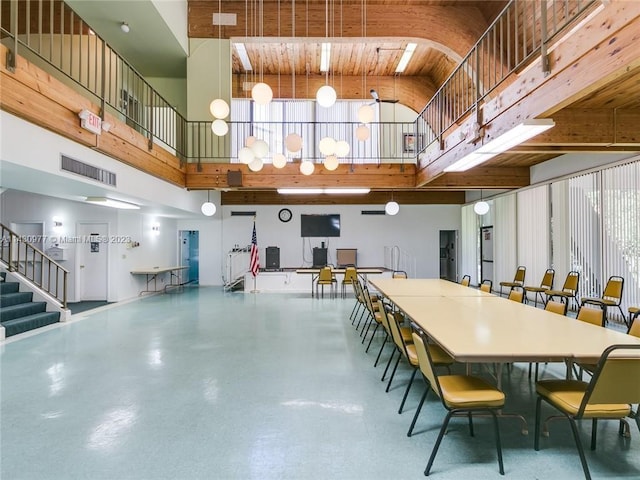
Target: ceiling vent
{"x":68,"y":164}
{"x":243,"y":214}
{"x":372,"y":212}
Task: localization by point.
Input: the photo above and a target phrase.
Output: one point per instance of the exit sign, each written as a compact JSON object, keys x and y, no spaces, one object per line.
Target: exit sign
{"x":90,"y":121}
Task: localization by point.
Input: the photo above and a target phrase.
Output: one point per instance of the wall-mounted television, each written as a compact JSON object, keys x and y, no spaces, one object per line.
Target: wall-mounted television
{"x":320,"y":225}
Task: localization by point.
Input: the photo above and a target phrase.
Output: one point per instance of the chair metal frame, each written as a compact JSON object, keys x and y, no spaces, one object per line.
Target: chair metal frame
{"x":518,"y":279}
{"x":545,"y":284}
{"x":611,"y":296}
{"x":600,"y":390}
{"x":569,"y":288}
{"x":426,"y":366}
{"x":466,"y":280}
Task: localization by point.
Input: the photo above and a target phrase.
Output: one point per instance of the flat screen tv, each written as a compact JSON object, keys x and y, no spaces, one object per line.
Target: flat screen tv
{"x":320,"y":225}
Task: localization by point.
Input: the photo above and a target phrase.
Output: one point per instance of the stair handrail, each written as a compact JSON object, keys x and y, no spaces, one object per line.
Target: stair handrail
{"x":11,"y":248}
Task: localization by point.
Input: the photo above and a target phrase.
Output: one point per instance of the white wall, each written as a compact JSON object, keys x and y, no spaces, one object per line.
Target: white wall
{"x":154,"y":250}
{"x":416,"y":230}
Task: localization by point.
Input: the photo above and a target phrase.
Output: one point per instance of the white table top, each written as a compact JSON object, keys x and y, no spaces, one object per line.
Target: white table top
{"x":153,"y":270}
{"x":494,"y":329}
{"x":432,"y":287}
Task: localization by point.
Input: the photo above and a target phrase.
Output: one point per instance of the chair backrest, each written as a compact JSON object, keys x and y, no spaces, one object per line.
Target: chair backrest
{"x":486,"y":285}
{"x":520,"y":274}
{"x":357,"y":287}
{"x":613,"y":289}
{"x":547,"y":279}
{"x":399,"y":274}
{"x":594,"y":316}
{"x":634,"y":328}
{"x":466,"y":280}
{"x":616,"y":379}
{"x":516,"y":296}
{"x":556,"y":307}
{"x":350,"y":274}
{"x":325,"y":275}
{"x":395,"y":332}
{"x":367,"y":300}
{"x":571,"y":282}
{"x":425,"y":363}
{"x":384,"y":319}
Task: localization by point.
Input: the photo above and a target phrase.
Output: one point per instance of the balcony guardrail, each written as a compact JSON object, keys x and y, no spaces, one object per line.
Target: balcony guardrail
{"x":49,"y":32}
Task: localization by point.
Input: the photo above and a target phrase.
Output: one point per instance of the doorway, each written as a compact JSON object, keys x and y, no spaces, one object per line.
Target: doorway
{"x":93,"y":256}
{"x":449,"y":255}
{"x":486,"y":254}
{"x":190,"y":254}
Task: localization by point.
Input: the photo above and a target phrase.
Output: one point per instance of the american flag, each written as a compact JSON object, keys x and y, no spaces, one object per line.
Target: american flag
{"x":254,"y":263}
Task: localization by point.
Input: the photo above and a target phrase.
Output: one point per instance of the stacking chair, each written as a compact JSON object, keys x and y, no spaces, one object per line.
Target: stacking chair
{"x":399,"y":274}
{"x":326,"y":277}
{"x":612,"y":295}
{"x":545,"y":284}
{"x":614,"y":386}
{"x":407,"y":351}
{"x":466,"y":280}
{"x":350,"y":274}
{"x":634,"y":326}
{"x":460,"y":395}
{"x":634,"y":312}
{"x":596,"y":316}
{"x":486,"y":285}
{"x":518,"y":279}
{"x":405,"y":333}
{"x":357,"y":289}
{"x":516,"y":295}
{"x":569,"y":289}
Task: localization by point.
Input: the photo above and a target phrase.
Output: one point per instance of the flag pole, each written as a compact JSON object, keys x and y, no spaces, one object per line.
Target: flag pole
{"x":254,"y":261}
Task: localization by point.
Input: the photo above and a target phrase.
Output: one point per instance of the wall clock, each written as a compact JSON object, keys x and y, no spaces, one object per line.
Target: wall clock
{"x":285,"y":215}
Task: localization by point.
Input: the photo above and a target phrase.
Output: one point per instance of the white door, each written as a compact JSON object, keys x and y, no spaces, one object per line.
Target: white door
{"x":92,"y":256}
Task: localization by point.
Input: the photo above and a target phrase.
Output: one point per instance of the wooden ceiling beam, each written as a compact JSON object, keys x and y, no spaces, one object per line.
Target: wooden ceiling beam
{"x":483,"y":177}
{"x":377,"y":198}
{"x":413,"y":92}
{"x":375,"y":176}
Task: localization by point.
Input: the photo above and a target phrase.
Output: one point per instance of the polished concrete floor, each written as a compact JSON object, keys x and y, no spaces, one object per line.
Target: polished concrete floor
{"x":210,"y":385}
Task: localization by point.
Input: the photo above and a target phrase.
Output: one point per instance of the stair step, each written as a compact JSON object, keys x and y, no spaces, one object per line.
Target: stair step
{"x":8,"y":299}
{"x":15,"y":311}
{"x":9,"y":287}
{"x":29,"y":322}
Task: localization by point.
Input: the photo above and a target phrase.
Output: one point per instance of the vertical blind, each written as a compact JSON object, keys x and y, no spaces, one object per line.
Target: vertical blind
{"x":533,"y":232}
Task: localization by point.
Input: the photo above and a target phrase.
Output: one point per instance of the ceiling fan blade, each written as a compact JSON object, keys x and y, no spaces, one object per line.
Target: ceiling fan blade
{"x":389,"y":101}
{"x":374,"y":95}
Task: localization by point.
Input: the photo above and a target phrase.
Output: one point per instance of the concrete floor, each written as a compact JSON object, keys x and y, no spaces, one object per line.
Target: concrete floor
{"x":210,"y":385}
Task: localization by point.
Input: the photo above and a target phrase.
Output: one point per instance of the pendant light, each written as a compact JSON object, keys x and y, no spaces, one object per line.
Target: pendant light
{"x":392,"y":207}
{"x":326,"y":95}
{"x":219,"y":108}
{"x":481,"y":207}
{"x":208,"y":208}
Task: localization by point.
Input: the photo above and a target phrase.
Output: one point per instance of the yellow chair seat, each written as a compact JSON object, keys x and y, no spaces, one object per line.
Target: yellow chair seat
{"x":463,"y":391}
{"x":633,"y":310}
{"x":558,"y":293}
{"x":406,"y":333}
{"x":412,"y":355}
{"x":606,"y":301}
{"x":438,"y":355}
{"x":536,"y":289}
{"x":567,"y":395}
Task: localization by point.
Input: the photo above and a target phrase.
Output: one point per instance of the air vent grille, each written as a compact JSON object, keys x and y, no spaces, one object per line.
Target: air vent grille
{"x":372,"y":212}
{"x":242,"y":214}
{"x":89,"y":171}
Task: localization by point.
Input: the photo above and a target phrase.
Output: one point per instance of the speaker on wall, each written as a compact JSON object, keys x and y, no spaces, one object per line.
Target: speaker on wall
{"x":234,"y":178}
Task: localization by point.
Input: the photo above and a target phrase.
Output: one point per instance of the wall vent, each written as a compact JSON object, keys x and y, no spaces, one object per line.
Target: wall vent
{"x":243,"y":214}
{"x":89,"y":171}
{"x":372,"y":212}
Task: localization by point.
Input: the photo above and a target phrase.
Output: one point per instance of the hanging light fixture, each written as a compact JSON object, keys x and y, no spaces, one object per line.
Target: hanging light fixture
{"x":362,"y":133}
{"x":366,"y":114}
{"x":342,"y":148}
{"x":261,"y":92}
{"x":279,"y":160}
{"x":256,"y":165}
{"x":293,"y":142}
{"x":219,"y":108}
{"x":327,"y":146}
{"x":331,"y":162}
{"x":307,"y":167}
{"x":392,"y":207}
{"x":326,"y":95}
{"x":481,"y":207}
{"x":208,"y":208}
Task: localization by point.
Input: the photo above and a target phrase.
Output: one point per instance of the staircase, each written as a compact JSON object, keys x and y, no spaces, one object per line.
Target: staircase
{"x":18,"y":312}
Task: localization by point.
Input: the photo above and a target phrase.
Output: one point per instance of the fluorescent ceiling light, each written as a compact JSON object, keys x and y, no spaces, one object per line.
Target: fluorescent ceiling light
{"x":318,"y":191}
{"x":244,"y":58}
{"x":109,"y":202}
{"x":517,"y":135}
{"x":406,"y":56}
{"x":325,"y":56}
